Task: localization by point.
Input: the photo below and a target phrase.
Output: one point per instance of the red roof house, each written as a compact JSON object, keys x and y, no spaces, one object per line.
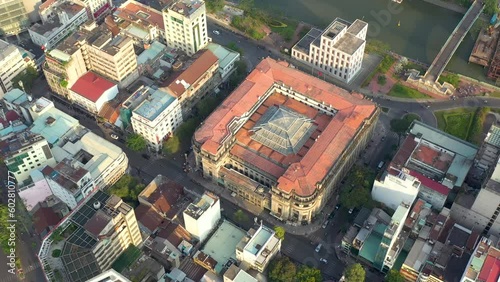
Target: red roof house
{"x":94,"y":88}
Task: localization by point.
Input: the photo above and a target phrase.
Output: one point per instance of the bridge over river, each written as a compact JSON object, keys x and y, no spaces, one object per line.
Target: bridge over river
{"x":451,"y":45}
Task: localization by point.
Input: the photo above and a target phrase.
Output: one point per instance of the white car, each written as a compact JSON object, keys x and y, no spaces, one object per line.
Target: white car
{"x":216,"y":32}
{"x":114,"y":136}
{"x":323,"y":260}
{"x":318,"y":248}
{"x":351,"y":210}
{"x":325,"y":224}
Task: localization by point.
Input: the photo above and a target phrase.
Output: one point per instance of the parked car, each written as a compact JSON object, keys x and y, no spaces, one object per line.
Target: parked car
{"x":351,"y":210}
{"x":323,"y":260}
{"x":381,"y":164}
{"x":114,"y":136}
{"x":325,"y":224}
{"x":318,"y":248}
{"x":216,"y":32}
{"x":145,"y":156}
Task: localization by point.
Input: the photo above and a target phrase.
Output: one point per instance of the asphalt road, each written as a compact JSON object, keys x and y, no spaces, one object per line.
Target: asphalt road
{"x":252,"y":53}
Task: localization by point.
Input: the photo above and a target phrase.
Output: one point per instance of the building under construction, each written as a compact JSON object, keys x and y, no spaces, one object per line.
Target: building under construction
{"x":494,"y":70}
{"x":485,"y":47}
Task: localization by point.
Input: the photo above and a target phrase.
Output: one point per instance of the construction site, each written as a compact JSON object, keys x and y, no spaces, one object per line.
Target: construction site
{"x":486,"y":51}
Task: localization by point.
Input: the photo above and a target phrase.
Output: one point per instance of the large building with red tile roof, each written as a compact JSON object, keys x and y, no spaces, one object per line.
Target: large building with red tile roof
{"x":91,"y":91}
{"x":284,"y":139}
{"x":196,"y":81}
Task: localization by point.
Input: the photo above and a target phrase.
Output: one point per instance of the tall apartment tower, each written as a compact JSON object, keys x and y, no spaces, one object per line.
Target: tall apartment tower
{"x":90,"y":239}
{"x":186,"y":25}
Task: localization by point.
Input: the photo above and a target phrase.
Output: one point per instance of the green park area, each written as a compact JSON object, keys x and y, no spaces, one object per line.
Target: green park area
{"x":401,"y":91}
{"x":464,"y":123}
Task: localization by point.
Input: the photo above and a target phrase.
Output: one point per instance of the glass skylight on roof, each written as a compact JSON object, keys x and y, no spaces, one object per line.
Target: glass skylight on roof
{"x":283,"y":130}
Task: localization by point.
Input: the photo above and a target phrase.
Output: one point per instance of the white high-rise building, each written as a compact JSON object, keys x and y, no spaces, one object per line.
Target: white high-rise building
{"x":395,"y":187}
{"x":338,"y":50}
{"x":156,"y":117}
{"x":186,"y":25}
{"x":201,"y":218}
{"x":12,"y":63}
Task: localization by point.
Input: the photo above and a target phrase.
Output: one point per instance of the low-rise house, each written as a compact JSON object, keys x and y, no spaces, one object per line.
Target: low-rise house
{"x":92,"y":91}
{"x":197,"y":81}
{"x":258,"y":247}
{"x":149,"y":61}
{"x":227,"y":59}
{"x":18,"y":101}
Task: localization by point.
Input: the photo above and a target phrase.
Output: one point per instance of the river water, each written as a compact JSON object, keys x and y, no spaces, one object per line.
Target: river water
{"x":415,"y":29}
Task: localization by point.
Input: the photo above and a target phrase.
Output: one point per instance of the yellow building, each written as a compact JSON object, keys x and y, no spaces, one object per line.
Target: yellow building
{"x":90,"y":49}
{"x":284,"y":140}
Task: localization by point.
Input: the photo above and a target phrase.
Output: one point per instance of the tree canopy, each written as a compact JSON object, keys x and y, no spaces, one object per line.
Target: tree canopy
{"x":490,"y":6}
{"x":400,"y":126}
{"x":355,"y":273}
{"x":308,"y":274}
{"x":282,"y":270}
{"x":280,"y":232}
{"x":172,"y":145}
{"x":214,"y":6}
{"x":136,"y":142}
{"x":27,"y":77}
{"x":394,"y":276}
{"x":356,"y":189}
{"x":240,"y":216}
{"x":128,"y":188}
{"x":4,"y":232}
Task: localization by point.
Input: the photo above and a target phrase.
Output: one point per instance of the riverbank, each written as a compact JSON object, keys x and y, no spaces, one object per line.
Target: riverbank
{"x":453,"y":7}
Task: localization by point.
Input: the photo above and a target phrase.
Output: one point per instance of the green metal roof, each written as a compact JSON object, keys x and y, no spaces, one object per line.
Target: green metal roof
{"x":224,"y":55}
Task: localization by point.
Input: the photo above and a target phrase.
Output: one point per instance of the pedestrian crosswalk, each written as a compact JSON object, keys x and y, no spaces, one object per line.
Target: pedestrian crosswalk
{"x":9,"y":278}
{"x":287,"y":248}
{"x":14,"y":278}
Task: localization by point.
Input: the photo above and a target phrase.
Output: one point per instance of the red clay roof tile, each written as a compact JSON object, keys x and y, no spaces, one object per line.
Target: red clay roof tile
{"x":199,"y":67}
{"x":304,"y":173}
{"x":91,"y":86}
